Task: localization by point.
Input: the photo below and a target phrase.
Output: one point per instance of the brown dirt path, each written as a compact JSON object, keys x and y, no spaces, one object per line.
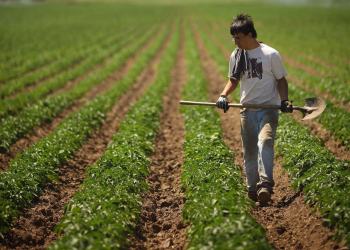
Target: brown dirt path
{"x":34,"y":229}
{"x":318,"y":61}
{"x":28,"y":72}
{"x":47,"y":128}
{"x":341,"y":152}
{"x":289,"y":223}
{"x":334,"y":146}
{"x":161,"y":226}
{"x":37,"y":83}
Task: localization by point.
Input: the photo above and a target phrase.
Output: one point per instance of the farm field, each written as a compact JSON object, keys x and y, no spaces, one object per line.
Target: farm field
{"x":96,"y":152}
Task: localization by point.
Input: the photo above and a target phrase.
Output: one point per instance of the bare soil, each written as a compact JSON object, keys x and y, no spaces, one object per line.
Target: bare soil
{"x":36,"y":84}
{"x":29,"y":72}
{"x":34,"y":229}
{"x":162,"y":224}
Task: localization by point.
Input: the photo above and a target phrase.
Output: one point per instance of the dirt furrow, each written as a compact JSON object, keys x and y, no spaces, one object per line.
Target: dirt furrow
{"x":47,"y":128}
{"x":340,"y":151}
{"x":34,"y":229}
{"x":36,"y":84}
{"x":289,"y":223}
{"x":161,"y":226}
{"x":318,"y":61}
{"x":323,"y":95}
{"x":28,"y":72}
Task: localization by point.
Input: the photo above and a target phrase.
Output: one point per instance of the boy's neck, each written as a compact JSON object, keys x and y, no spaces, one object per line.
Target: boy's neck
{"x":253,"y":44}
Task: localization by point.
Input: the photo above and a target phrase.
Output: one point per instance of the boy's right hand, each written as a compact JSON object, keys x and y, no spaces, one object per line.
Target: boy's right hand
{"x":222,"y":103}
{"x":287,"y":106}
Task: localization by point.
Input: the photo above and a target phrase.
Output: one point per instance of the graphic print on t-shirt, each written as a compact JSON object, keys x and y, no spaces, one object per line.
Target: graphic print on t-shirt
{"x":255,"y":68}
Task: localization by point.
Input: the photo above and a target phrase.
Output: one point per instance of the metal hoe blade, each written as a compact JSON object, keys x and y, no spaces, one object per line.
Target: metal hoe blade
{"x":313,"y":108}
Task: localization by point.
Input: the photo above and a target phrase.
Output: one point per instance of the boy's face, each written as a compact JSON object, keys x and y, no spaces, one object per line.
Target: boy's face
{"x":241,"y":40}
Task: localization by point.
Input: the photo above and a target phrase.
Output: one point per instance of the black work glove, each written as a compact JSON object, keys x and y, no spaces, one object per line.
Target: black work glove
{"x":222,"y":103}
{"x":287,"y":106}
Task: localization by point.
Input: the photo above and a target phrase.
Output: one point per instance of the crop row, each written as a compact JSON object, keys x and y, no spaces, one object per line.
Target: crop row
{"x":63,"y":63}
{"x":11,"y":106}
{"x":19,"y":64}
{"x":334,"y":86}
{"x":108,"y":204}
{"x":313,"y":169}
{"x":15,"y":127}
{"x":211,"y":179}
{"x":31,"y":170}
{"x":337,"y":127}
{"x":27,"y":47}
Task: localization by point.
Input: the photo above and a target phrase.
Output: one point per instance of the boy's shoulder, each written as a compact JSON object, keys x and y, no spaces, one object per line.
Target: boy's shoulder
{"x":268,"y":50}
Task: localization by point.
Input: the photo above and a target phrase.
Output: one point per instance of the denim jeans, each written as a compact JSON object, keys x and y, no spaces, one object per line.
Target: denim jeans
{"x":258,"y":129}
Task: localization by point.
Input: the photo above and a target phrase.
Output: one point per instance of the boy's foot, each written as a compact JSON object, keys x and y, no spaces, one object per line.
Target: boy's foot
{"x":264,"y":195}
{"x":261,"y":204}
{"x":253,"y":196}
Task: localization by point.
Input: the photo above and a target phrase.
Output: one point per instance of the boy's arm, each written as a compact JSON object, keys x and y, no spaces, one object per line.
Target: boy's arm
{"x":230,"y":86}
{"x":283,"y":88}
{"x":222,"y":102}
{"x":286,"y":105}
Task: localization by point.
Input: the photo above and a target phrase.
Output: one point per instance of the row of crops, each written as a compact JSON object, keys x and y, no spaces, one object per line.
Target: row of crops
{"x":108,"y":204}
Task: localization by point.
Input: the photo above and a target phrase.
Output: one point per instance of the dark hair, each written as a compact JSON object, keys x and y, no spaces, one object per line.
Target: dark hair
{"x":243,"y":23}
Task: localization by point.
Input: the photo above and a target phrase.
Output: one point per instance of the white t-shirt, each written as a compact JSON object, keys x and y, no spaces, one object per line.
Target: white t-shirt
{"x":259,"y":81}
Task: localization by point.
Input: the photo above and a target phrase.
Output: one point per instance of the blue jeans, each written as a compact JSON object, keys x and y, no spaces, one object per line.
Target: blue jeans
{"x":258,"y":129}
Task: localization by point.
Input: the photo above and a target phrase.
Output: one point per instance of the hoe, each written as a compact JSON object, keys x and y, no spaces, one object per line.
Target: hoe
{"x":313,"y":106}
